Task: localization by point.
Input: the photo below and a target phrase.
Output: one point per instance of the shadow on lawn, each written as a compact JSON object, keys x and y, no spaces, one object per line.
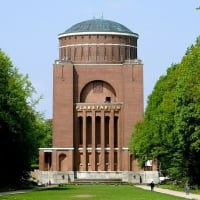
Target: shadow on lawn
{"x":58,"y":188}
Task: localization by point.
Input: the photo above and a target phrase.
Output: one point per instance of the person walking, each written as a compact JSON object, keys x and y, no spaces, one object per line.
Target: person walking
{"x":152,"y":185}
{"x":187,"y":188}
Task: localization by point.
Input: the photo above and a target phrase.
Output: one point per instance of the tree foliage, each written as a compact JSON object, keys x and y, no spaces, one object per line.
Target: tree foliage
{"x":170,"y":130}
{"x":21,"y":127}
{"x":47,"y":127}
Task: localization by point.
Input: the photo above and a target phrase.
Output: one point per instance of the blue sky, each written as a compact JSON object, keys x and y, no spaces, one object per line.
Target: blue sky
{"x":29,"y":30}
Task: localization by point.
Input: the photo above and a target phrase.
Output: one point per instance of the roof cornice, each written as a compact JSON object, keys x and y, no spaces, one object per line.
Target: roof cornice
{"x":98,"y":33}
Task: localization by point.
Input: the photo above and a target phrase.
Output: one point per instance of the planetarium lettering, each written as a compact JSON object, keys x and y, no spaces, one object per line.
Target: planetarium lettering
{"x":98,"y":107}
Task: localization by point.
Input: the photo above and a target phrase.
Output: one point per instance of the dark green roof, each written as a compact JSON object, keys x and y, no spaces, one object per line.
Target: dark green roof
{"x":98,"y":26}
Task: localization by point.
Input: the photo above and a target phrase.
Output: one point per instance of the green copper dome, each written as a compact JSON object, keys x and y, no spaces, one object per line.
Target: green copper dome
{"x":98,"y":26}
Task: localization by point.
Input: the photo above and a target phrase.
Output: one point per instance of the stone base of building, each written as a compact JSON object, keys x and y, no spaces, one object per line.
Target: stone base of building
{"x":57,"y":177}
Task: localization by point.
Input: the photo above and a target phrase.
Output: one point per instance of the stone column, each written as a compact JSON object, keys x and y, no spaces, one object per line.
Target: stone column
{"x":119,"y":145}
{"x":76,"y":144}
{"x":111,"y":140}
{"x":93,"y":159}
{"x":41,"y":160}
{"x":102,"y":161}
{"x":84,"y":142}
{"x":55,"y":159}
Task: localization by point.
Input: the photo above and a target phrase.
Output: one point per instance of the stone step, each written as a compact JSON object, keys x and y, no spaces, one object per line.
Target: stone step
{"x":110,"y":181}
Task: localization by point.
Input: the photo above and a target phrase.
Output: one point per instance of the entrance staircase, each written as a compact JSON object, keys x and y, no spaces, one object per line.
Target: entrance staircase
{"x":98,"y":181}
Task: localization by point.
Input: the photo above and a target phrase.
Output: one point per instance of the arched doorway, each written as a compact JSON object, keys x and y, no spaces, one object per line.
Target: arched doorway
{"x":62,"y":162}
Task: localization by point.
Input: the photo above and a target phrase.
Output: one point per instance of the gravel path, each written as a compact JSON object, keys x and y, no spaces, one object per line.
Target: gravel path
{"x":171,"y":192}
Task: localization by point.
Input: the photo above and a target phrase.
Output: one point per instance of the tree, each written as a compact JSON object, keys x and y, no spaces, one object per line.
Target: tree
{"x":48,"y":126}
{"x":44,"y":126}
{"x":20,"y":124}
{"x":187,"y":114}
{"x":171,"y":125}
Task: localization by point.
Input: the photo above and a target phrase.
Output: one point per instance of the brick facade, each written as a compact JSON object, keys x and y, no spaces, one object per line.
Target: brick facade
{"x":97,"y":100}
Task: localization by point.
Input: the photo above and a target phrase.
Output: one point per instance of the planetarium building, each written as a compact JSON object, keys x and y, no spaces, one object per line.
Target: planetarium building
{"x":97,"y":100}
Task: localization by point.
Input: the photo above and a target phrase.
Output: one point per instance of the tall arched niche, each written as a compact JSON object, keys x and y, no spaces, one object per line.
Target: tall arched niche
{"x":98,"y":91}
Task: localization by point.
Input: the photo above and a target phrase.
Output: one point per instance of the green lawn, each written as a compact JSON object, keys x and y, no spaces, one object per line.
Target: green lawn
{"x":93,"y":192}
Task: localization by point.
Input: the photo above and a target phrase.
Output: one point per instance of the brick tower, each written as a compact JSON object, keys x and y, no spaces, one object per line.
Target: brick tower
{"x":97,"y":99}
